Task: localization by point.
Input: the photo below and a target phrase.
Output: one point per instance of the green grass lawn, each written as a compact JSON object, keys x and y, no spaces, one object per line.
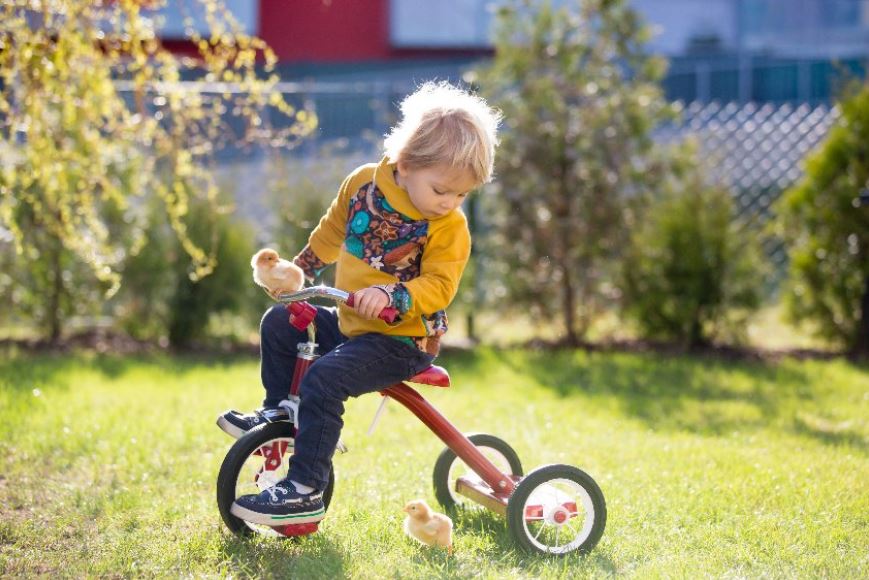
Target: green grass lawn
{"x":710,"y":468}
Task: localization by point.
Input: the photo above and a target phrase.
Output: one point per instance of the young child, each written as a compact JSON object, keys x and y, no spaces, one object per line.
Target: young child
{"x":399,"y":239}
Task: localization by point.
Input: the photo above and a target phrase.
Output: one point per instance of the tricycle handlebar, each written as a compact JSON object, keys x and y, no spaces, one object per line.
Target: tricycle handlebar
{"x":388,"y":314}
{"x":314,"y":292}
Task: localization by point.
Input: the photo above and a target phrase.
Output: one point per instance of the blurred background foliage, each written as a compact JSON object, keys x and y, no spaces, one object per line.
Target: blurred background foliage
{"x":580,"y":97}
{"x":827,"y":232}
{"x":82,"y":159}
{"x":119,"y":215}
{"x":691,"y":273}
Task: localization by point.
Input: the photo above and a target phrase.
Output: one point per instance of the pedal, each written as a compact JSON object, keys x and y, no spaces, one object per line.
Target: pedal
{"x":295,"y":530}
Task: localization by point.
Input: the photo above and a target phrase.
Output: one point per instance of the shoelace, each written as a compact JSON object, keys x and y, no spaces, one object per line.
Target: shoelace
{"x":261,"y":414}
{"x":273,"y":492}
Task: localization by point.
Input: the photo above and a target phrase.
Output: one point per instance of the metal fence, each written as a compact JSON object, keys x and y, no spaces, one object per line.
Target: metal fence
{"x":756,"y":150}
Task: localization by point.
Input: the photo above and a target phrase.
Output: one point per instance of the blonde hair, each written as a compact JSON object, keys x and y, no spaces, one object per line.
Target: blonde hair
{"x":441,"y":123}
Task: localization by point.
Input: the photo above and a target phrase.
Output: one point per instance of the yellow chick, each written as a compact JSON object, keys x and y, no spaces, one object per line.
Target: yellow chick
{"x":276,"y":274}
{"x":427,"y":526}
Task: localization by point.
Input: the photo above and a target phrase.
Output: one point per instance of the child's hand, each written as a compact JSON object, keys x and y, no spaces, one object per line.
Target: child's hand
{"x":369,"y":302}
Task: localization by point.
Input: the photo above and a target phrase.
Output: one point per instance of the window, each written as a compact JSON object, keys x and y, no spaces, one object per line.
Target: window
{"x":171,"y":17}
{"x":441,"y":24}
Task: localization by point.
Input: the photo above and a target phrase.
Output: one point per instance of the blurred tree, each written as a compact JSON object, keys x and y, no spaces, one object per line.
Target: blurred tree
{"x":94,"y":117}
{"x":827,"y":231}
{"x":580,"y":96}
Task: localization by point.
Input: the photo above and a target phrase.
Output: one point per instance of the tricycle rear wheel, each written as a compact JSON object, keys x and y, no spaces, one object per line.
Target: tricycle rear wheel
{"x":449,"y":467}
{"x":557,"y":509}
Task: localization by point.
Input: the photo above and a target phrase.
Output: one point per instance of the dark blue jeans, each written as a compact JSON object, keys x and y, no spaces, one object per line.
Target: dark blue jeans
{"x":348,"y":368}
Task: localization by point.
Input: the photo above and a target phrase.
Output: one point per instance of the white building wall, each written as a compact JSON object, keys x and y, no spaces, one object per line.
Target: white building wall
{"x":801,"y":28}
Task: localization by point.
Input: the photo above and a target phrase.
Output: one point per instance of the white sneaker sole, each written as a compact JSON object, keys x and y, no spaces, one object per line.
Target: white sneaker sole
{"x":229,"y":428}
{"x":276,"y":520}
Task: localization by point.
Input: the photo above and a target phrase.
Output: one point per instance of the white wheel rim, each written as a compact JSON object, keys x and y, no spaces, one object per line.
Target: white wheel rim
{"x":459,"y":468}
{"x":253,"y":478}
{"x":554,"y":533}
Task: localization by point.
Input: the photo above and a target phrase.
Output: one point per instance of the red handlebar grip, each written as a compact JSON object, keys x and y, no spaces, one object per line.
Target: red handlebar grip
{"x":301,"y":314}
{"x":388,"y":314}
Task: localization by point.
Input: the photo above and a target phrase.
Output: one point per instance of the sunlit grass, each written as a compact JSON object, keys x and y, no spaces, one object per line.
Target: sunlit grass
{"x":710,"y":468}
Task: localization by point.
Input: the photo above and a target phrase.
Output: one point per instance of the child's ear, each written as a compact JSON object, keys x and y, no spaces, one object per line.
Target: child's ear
{"x":401,"y":166}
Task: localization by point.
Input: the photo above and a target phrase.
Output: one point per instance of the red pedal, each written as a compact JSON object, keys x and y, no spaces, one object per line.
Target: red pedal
{"x":294,"y":530}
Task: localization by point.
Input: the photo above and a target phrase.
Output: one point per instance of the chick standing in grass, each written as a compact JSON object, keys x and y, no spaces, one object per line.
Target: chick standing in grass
{"x":427,"y":526}
{"x":276,"y":274}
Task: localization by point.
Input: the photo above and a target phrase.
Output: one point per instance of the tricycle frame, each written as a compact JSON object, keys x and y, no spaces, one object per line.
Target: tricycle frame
{"x":538,"y":506}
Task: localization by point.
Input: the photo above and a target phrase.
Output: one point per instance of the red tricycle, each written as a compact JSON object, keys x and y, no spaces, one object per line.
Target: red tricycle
{"x":555,"y":509}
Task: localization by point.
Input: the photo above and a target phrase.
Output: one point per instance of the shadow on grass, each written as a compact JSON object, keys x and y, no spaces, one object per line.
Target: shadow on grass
{"x":26,"y":372}
{"x":491,"y":529}
{"x":829,"y":432}
{"x":257,"y":557}
{"x":693,"y":393}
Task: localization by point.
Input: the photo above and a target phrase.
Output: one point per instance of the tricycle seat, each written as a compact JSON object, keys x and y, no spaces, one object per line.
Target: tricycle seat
{"x":434,"y":375}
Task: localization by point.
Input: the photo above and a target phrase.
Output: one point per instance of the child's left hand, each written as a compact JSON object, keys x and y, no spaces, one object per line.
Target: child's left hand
{"x":369,"y":302}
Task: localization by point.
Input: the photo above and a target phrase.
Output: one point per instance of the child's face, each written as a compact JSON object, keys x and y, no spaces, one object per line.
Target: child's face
{"x":437,"y":190}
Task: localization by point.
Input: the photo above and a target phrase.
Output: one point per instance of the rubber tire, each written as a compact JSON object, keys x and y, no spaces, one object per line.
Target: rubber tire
{"x":238,"y":454}
{"x":441,"y":475}
{"x":541,"y":475}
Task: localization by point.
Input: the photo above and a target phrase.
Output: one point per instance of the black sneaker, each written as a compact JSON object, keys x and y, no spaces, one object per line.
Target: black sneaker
{"x":280,"y":505}
{"x":237,"y":424}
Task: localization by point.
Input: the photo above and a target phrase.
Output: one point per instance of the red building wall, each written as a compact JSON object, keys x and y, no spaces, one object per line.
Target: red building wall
{"x":326,"y":30}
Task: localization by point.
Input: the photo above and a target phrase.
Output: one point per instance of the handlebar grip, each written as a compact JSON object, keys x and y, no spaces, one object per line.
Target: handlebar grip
{"x":301,"y":314}
{"x":388,"y":314}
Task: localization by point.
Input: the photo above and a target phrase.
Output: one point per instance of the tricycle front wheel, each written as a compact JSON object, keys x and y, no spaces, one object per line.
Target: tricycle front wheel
{"x":258,"y":460}
{"x":557,"y":509}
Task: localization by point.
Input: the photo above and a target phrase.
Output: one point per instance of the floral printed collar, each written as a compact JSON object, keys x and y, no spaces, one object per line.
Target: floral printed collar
{"x":395,"y":195}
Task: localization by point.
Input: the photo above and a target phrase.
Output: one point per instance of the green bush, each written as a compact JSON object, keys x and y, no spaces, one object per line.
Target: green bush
{"x":159,"y":299}
{"x":827,"y":233}
{"x":229,"y":288}
{"x":141,"y":307}
{"x":690,"y":274}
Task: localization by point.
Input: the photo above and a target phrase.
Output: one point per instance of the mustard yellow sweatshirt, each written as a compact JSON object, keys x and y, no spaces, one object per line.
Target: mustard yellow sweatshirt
{"x":378,"y":238}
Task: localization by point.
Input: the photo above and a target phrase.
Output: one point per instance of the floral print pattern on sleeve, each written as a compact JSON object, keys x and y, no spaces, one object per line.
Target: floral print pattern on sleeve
{"x":399,"y":298}
{"x":310,"y":264}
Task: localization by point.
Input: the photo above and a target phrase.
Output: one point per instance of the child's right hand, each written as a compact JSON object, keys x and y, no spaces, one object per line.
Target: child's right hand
{"x":370,"y":302}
